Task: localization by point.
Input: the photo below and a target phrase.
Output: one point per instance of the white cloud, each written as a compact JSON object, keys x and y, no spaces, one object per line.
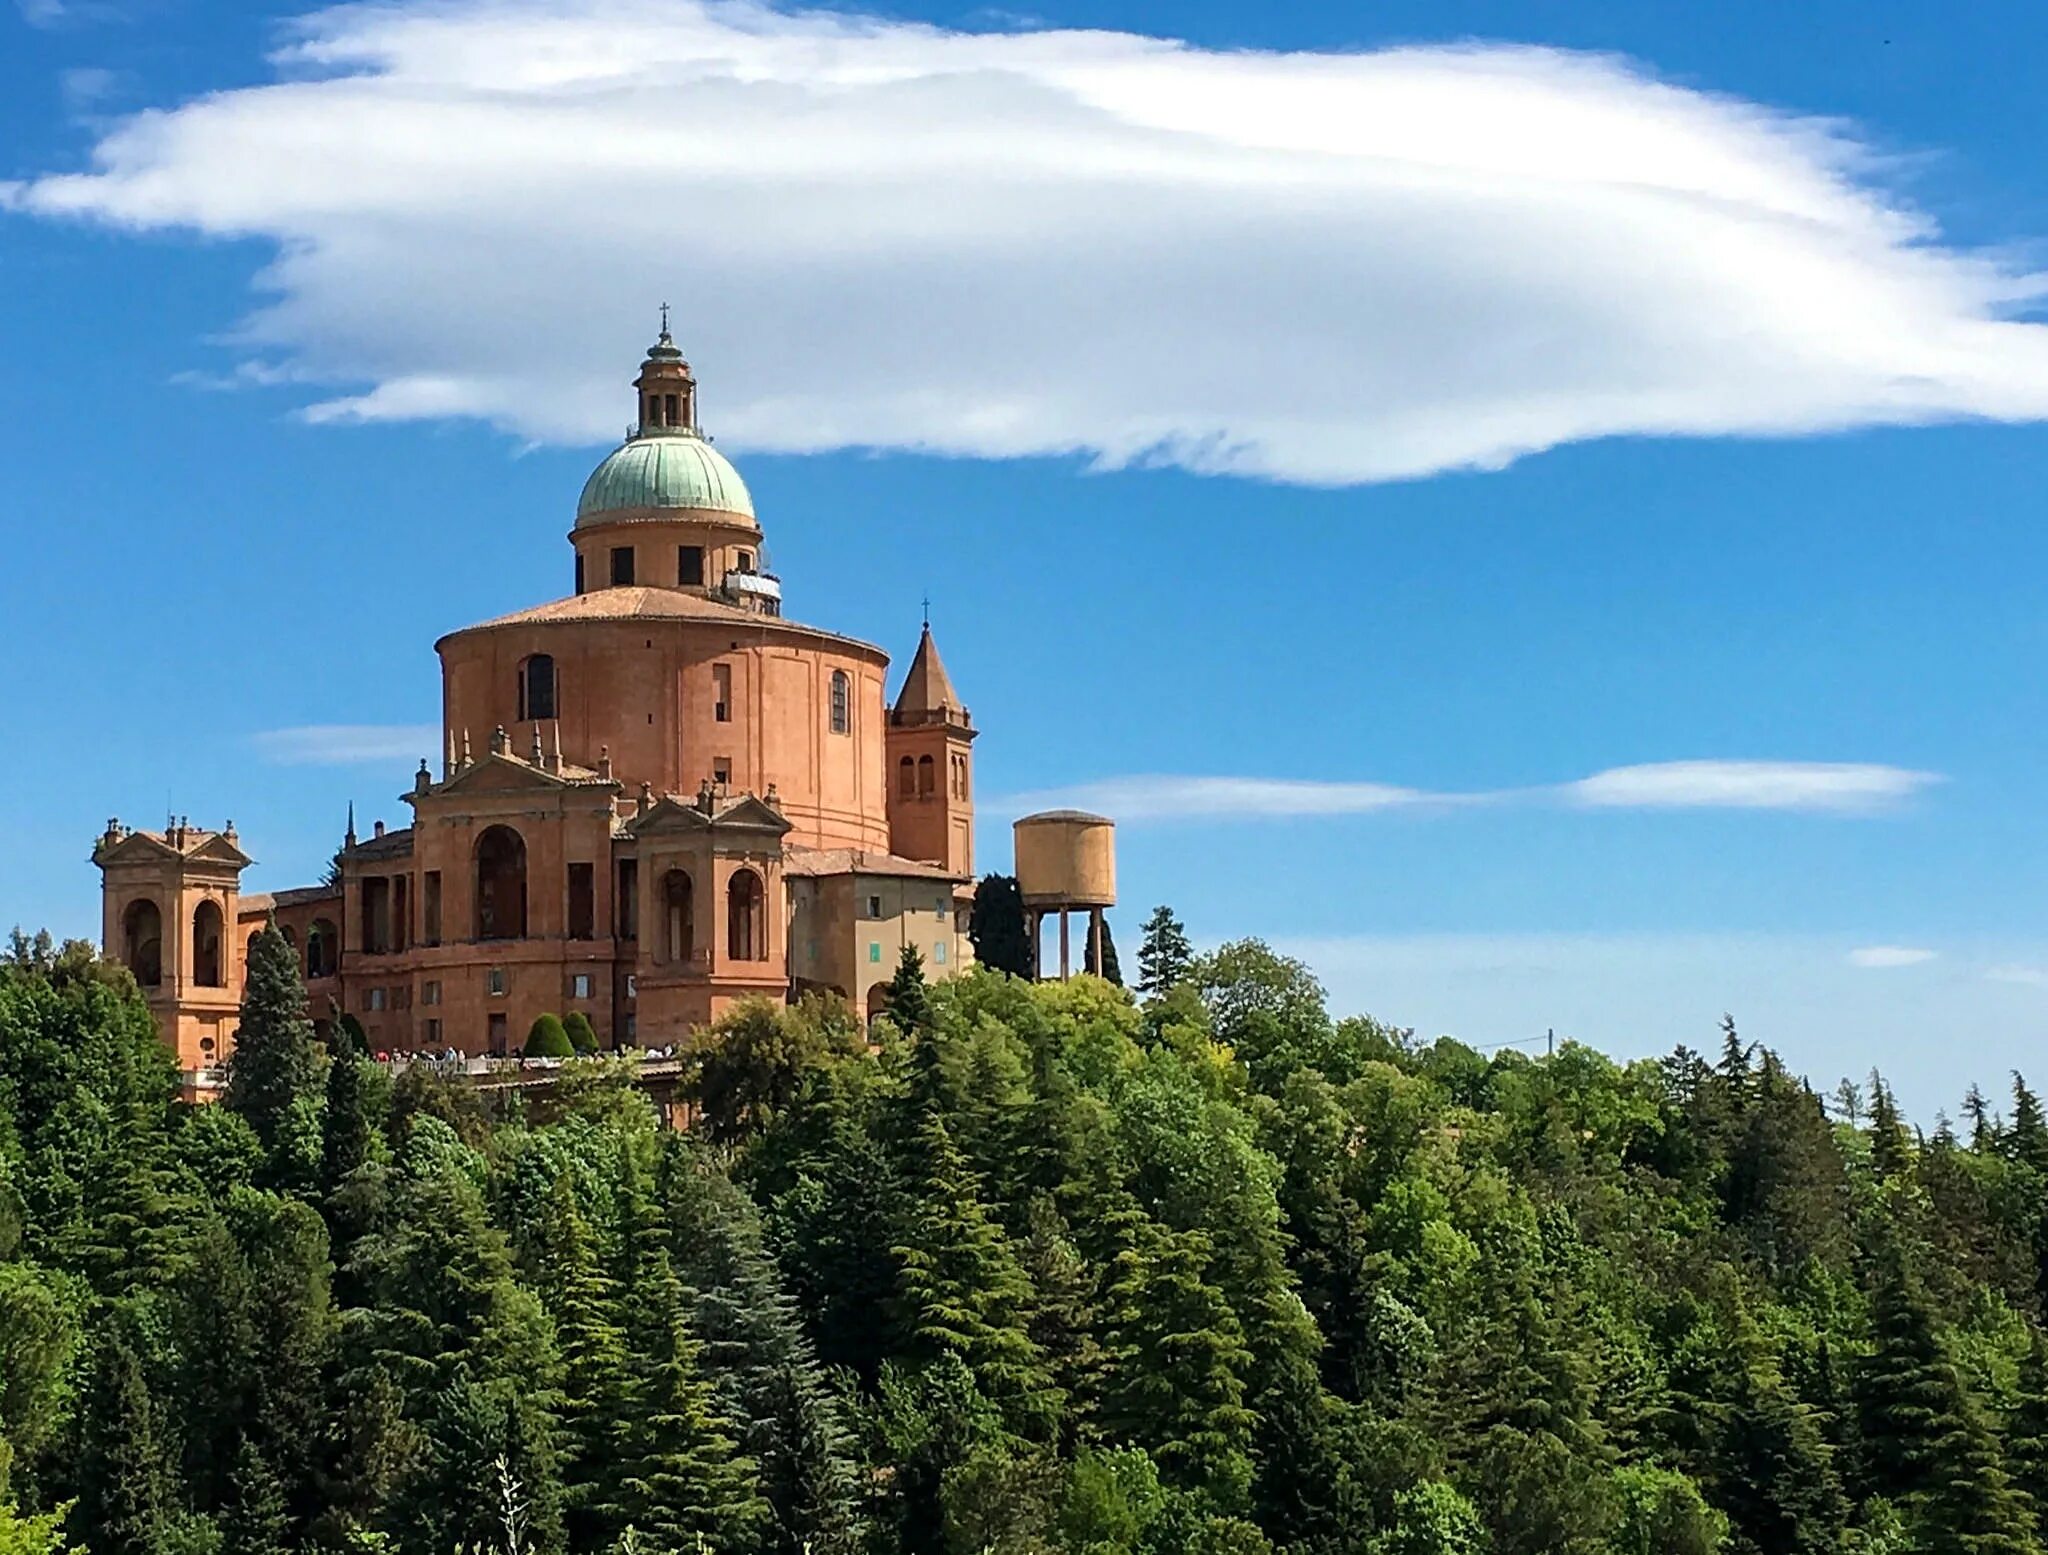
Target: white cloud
{"x":1317,"y":267}
{"x":1878,"y":958}
{"x":1843,"y":788}
{"x":2016,"y":972}
{"x":340,"y":745}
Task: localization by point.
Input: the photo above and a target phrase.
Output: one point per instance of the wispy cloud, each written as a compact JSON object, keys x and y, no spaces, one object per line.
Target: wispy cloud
{"x":1881,"y":958}
{"x":1840,"y":788}
{"x":341,"y":745}
{"x":1413,"y":259}
{"x":2017,"y":972}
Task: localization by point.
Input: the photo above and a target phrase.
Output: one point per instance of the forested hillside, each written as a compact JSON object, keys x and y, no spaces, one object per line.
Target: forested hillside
{"x":1055,"y":1269}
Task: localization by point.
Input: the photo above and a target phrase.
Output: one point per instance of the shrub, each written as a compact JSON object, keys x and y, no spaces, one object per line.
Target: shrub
{"x":582,"y":1036}
{"x":549,"y":1039}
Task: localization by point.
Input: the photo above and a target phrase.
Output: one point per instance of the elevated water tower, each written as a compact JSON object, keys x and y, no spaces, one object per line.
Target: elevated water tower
{"x":1066,"y":863}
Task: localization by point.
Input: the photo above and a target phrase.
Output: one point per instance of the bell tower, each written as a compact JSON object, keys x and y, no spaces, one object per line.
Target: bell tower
{"x":930,"y":767}
{"x":170,"y":902}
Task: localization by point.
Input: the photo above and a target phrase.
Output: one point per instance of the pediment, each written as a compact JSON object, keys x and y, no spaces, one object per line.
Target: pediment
{"x":492,"y":773}
{"x":670,"y":815}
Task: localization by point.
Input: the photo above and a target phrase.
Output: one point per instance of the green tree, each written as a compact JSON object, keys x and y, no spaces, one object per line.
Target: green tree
{"x":582,"y":1035}
{"x":1110,"y":971}
{"x":271,"y":1077}
{"x":547,"y":1038}
{"x":996,"y":927}
{"x":1165,"y":957}
{"x":122,"y":1482}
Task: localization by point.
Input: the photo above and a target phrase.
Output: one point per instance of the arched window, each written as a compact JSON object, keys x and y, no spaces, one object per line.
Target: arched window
{"x":142,"y":942}
{"x":500,"y":884}
{"x":878,"y":1000}
{"x":842,"y":698}
{"x":680,"y":931}
{"x":207,"y":969}
{"x":746,"y":937}
{"x":323,"y":948}
{"x":927,"y":778}
{"x":906,"y":777}
{"x":536,"y":688}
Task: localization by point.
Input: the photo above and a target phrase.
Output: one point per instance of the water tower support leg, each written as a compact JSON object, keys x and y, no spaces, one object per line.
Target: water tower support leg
{"x":1066,"y":969}
{"x":1095,"y":940}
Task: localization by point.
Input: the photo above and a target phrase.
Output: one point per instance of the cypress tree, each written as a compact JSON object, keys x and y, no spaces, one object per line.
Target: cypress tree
{"x":1110,"y":971}
{"x":548,"y":1038}
{"x":346,"y":1127}
{"x":1165,"y":955}
{"x":996,"y":927}
{"x":582,"y":1035}
{"x":271,"y":1072}
{"x":910,"y":999}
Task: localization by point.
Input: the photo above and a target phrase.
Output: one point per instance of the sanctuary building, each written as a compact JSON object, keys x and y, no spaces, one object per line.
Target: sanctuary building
{"x":656,"y":796}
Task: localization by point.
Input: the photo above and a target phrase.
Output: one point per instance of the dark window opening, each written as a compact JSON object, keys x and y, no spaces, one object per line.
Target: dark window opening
{"x":376,"y":915}
{"x":689,"y":564}
{"x":744,"y":918}
{"x":537,"y":688}
{"x":746,"y":562}
{"x":582,"y":902}
{"x":430,"y":906}
{"x":500,"y":884}
{"x":622,"y":566}
{"x":579,"y":572}
{"x":142,"y":947}
{"x":679,"y":938}
{"x":721,"y":693}
{"x":323,"y":949}
{"x":906,"y":778}
{"x":629,"y":898}
{"x":721,"y":770}
{"x":927,"y":777}
{"x":669,"y":416}
{"x":208,"y":967}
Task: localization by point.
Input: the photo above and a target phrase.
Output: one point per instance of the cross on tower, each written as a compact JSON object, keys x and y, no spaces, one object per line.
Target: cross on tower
{"x":664,"y":318}
{"x":927,"y":610}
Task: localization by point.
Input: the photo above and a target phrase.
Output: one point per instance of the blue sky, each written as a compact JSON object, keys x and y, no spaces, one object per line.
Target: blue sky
{"x":1399,"y":433}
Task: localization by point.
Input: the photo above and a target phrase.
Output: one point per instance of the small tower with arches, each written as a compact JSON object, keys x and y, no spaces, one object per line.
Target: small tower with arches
{"x":170,"y":904}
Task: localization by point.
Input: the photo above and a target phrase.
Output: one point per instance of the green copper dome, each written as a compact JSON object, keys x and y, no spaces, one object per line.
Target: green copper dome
{"x":664,"y":469}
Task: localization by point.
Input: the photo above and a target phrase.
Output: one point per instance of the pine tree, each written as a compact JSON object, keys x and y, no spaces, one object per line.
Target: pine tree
{"x":1178,"y":1360}
{"x":910,"y":999}
{"x":123,"y":1492}
{"x":997,"y":930}
{"x":789,"y":1416}
{"x":1926,"y":1441}
{"x":254,"y":1521}
{"x":593,"y":1351}
{"x":2027,"y":1137}
{"x":1166,"y":956}
{"x":2026,"y":1441}
{"x":1891,"y":1152}
{"x":347,"y":1130}
{"x":270,"y":1076}
{"x":682,"y":1476}
{"x":962,"y":1292}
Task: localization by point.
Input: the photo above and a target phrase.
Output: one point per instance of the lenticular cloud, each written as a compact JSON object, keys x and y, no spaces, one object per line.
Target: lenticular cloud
{"x":1312,"y":267}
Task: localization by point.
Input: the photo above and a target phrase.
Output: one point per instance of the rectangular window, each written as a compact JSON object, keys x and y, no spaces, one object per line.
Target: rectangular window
{"x":874,"y":907}
{"x":632,"y":985}
{"x":721,"y":770}
{"x":430,"y":991}
{"x":433,"y":1033}
{"x":746,"y":562}
{"x":582,"y":902}
{"x":579,"y":986}
{"x":721,"y":693}
{"x":622,"y":566}
{"x":874,"y":950}
{"x":939,"y":953}
{"x":494,"y":983}
{"x":689,"y":564}
{"x":377,"y":999}
{"x":499,"y":1027}
{"x":430,"y":906}
{"x":670,"y":412}
{"x":579,"y":572}
{"x":632,"y":1027}
{"x":629,"y":898}
{"x":940,"y":910}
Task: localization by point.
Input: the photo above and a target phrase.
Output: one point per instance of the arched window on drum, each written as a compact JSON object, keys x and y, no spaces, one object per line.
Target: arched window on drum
{"x":536,"y":688}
